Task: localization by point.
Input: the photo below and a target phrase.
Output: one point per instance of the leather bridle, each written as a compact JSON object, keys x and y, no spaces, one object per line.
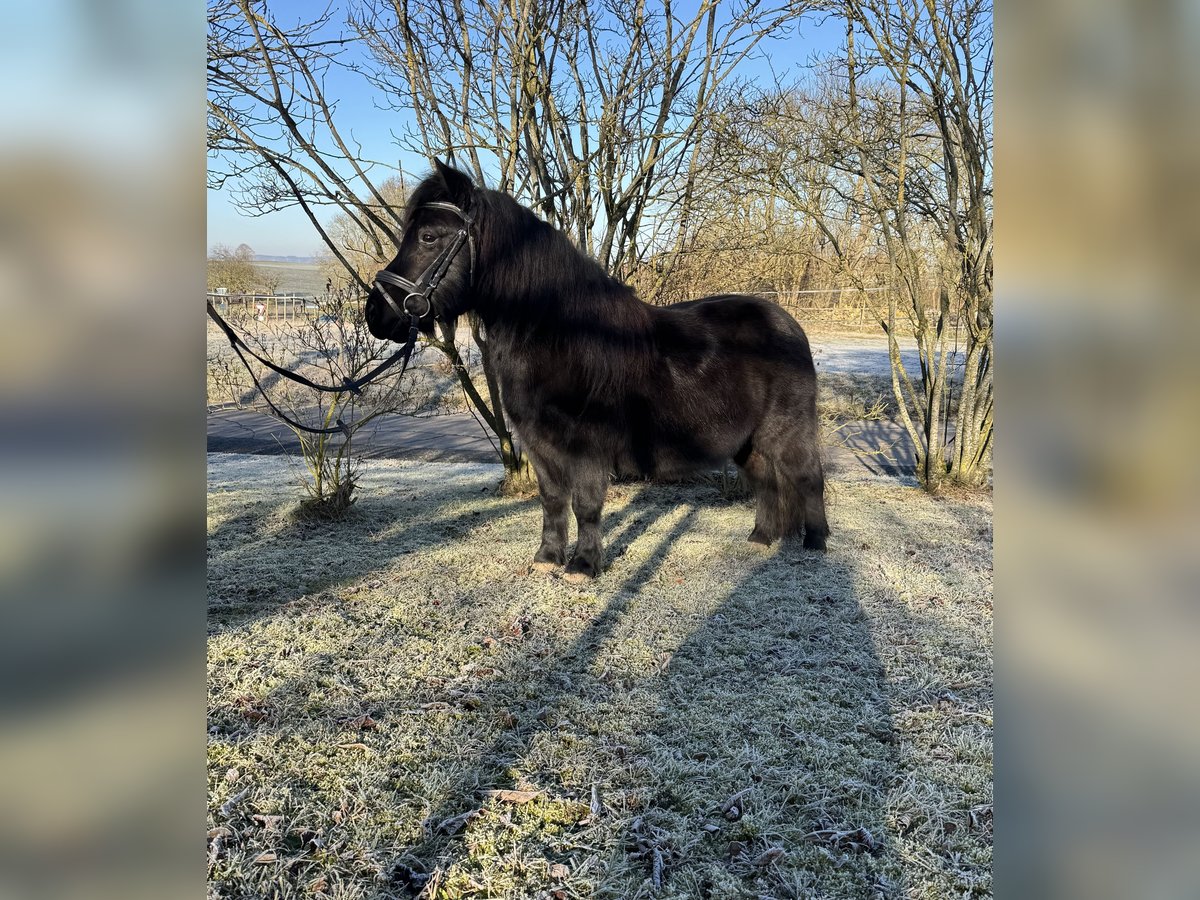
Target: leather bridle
{"x":423,"y":288}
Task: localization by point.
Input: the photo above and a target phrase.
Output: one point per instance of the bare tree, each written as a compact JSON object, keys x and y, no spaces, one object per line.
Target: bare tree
{"x":362,"y":242}
{"x":235,"y":271}
{"x":589,"y":112}
{"x":938,"y":56}
{"x":329,"y":344}
{"x":888,"y":155}
{"x":273,"y":131}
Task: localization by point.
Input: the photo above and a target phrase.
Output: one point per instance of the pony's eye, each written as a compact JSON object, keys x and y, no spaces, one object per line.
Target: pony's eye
{"x":428,"y":237}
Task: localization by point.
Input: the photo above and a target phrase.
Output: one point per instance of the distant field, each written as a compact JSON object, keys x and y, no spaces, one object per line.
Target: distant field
{"x":305,"y":278}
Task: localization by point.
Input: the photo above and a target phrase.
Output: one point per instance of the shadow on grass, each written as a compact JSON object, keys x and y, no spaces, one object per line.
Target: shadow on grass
{"x":738,"y":735}
{"x":750,"y":756}
{"x":774,"y":751}
{"x":883,"y":448}
{"x":268,"y":559}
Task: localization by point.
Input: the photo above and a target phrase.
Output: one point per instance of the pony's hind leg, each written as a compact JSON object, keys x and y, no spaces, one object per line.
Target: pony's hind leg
{"x":587,"y":497}
{"x":760,"y":469}
{"x":810,"y":488}
{"x":785,"y":468}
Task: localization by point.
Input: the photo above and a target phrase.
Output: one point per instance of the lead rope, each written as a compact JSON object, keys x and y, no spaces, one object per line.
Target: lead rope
{"x":354,"y":386}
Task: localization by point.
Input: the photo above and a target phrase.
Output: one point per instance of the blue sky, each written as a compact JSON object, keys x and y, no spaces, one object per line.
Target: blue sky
{"x":289,"y":233}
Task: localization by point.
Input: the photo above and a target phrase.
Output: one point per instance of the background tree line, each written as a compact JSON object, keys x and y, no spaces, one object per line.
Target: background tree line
{"x":236,"y":272}
{"x":636,"y":128}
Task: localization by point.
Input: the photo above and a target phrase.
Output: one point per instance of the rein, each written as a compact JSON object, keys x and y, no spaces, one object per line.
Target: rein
{"x":354,"y":386}
{"x":422,"y":289}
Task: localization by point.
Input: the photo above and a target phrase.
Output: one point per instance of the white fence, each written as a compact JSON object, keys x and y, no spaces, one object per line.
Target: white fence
{"x":265,"y":307}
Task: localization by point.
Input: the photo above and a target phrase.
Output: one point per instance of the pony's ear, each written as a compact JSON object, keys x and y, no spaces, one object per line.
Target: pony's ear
{"x":459,"y":185}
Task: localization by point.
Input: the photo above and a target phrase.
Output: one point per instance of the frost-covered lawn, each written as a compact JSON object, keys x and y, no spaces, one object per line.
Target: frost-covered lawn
{"x":397,"y":705}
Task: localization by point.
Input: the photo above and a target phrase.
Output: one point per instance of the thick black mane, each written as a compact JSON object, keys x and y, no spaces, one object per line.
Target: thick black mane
{"x":596,"y":381}
{"x":536,"y":286}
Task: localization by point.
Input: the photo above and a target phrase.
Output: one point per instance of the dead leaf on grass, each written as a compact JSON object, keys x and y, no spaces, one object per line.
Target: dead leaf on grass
{"x":228,"y":805}
{"x":265,"y":858}
{"x":407,"y":876}
{"x":559,"y":872}
{"x":455,"y":824}
{"x":218,"y":837}
{"x":362,"y":723}
{"x":732,"y":808}
{"x":772,"y":855}
{"x":247,"y":709}
{"x":355,"y":746}
{"x":268,"y":823}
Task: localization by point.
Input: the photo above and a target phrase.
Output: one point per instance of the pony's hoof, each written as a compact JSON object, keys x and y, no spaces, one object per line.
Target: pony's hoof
{"x":757,"y":537}
{"x":548,"y":558}
{"x":580,"y":571}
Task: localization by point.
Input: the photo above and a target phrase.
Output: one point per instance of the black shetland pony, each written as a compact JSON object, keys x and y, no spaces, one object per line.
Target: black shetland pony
{"x":595,"y":381}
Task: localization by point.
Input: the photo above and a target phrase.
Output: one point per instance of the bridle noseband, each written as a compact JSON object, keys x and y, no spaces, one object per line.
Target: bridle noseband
{"x":422,"y":289}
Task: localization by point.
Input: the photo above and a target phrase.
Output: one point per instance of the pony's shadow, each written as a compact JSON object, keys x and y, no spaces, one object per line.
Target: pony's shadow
{"x":777,"y":681}
{"x":775,"y":749}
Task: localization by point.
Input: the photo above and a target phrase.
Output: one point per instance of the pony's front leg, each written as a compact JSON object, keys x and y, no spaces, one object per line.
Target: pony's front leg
{"x":587,"y":497}
{"x":555,"y":494}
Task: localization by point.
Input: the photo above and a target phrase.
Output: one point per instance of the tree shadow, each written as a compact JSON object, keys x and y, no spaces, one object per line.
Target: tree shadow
{"x":881,"y":450}
{"x":268,"y":559}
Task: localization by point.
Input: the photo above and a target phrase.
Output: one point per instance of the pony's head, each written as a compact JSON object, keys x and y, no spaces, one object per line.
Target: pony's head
{"x":431,"y":275}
